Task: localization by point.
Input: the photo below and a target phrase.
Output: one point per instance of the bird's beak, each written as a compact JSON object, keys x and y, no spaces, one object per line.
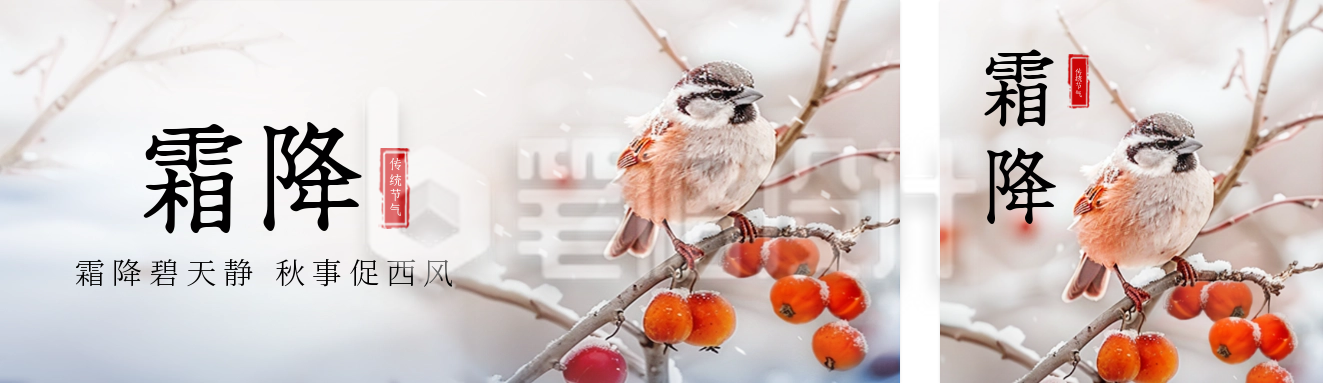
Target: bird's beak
{"x":1188,"y":146}
{"x":748,"y":96}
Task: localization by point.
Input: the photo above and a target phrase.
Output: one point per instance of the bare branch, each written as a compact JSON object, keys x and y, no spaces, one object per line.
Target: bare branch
{"x":1238,"y":72}
{"x":1306,"y":201}
{"x":885,"y":155}
{"x":805,"y":18}
{"x":1108,"y":85}
{"x":1271,"y":284}
{"x":1285,"y":132}
{"x":545,"y":360}
{"x":660,"y":36}
{"x":1253,"y":139}
{"x":1308,"y":24}
{"x":794,"y":128}
{"x":236,"y":45}
{"x":1015,"y":353}
{"x":856,"y":82}
{"x":45,"y":64}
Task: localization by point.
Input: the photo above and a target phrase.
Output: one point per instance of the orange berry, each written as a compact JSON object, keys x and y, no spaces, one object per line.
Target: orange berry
{"x":787,"y":256}
{"x":1268,"y":372}
{"x":1118,"y":358}
{"x":846,"y":297}
{"x":1276,"y":339}
{"x":798,"y":299}
{"x":1158,"y":359}
{"x":839,"y":346}
{"x":744,"y":259}
{"x":714,"y":319}
{"x":1186,"y":302}
{"x":667,"y":319}
{"x":1233,"y":340}
{"x":1227,"y":299}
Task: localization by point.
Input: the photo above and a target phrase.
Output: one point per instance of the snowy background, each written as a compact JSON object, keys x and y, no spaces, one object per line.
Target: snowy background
{"x":1165,"y":56}
{"x":475,"y":81}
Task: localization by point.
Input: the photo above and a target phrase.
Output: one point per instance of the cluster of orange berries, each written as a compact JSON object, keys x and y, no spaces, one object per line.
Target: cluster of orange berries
{"x":1143,"y":358}
{"x":1232,"y":338}
{"x":797,"y":297}
{"x":702,"y":318}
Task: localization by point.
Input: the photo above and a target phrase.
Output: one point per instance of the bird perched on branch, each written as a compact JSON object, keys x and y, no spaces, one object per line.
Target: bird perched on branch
{"x":1148,"y":200}
{"x":700,"y":155}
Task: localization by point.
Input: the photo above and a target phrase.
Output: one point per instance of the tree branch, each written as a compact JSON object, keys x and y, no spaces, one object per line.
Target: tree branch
{"x":545,"y":360}
{"x":236,"y":45}
{"x":1238,"y":72}
{"x":125,"y":53}
{"x":884,"y":155}
{"x":1253,"y":139}
{"x":1271,"y":284}
{"x":661,"y":37}
{"x":1306,"y":201}
{"x":1108,"y":85}
{"x":857,"y":81}
{"x":793,"y":130}
{"x":805,"y":18}
{"x":44,"y":63}
{"x":1285,"y":132}
{"x":1015,"y":353}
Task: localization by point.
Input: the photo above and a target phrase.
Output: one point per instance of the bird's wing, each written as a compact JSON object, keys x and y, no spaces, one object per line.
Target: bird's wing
{"x":639,"y":150}
{"x":1091,"y":200}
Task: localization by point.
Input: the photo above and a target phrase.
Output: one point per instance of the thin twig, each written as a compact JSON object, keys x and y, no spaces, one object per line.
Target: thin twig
{"x":236,"y":45}
{"x":805,"y":18}
{"x":1238,"y":72}
{"x":1015,"y":353}
{"x":794,"y":128}
{"x":1308,"y":23}
{"x":44,"y":64}
{"x":1108,"y":85}
{"x":857,"y":81}
{"x":1272,"y":284}
{"x":546,"y":359}
{"x":886,"y":154}
{"x":1285,"y":132}
{"x":1306,"y":201}
{"x":125,"y":53}
{"x":661,"y":37}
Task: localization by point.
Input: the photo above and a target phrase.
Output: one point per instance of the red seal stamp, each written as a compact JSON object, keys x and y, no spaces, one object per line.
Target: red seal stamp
{"x":1078,"y":78}
{"x":394,"y":188}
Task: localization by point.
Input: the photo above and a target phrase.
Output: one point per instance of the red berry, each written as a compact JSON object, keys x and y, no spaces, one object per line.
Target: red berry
{"x":1268,"y":372}
{"x":594,"y":361}
{"x":1233,"y":340}
{"x":1186,"y":302}
{"x":1118,"y":358}
{"x":744,"y":259}
{"x":1158,"y":359}
{"x":839,"y":346}
{"x":714,"y":319}
{"x":1276,"y":339}
{"x":787,"y":256}
{"x":1227,"y":299}
{"x":798,"y":299}
{"x":846,"y":296}
{"x":667,"y":319}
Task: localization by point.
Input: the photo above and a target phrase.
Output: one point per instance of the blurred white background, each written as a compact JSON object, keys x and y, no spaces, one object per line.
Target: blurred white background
{"x":1165,"y":56}
{"x":473,"y":79}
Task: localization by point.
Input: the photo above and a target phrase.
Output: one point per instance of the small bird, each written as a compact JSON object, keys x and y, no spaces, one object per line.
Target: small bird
{"x":700,"y":155}
{"x":1148,"y":200}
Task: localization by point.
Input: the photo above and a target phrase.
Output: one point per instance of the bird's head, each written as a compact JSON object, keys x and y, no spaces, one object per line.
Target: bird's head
{"x":714,"y":95}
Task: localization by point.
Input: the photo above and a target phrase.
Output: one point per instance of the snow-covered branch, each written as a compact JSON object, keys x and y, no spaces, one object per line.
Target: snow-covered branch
{"x":957,"y":323}
{"x":1285,"y":132}
{"x":545,"y":360}
{"x":1208,"y":271}
{"x":544,"y":302}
